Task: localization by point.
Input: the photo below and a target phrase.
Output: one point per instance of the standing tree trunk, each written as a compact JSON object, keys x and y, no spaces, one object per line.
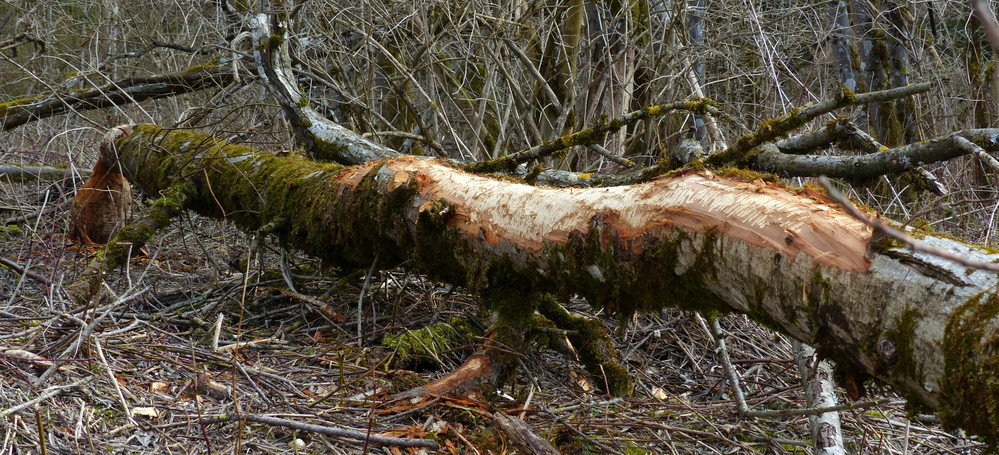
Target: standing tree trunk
{"x":695,"y":33}
{"x":613,"y":57}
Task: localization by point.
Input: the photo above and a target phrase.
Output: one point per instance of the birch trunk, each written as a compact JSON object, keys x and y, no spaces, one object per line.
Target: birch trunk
{"x":789,"y":258}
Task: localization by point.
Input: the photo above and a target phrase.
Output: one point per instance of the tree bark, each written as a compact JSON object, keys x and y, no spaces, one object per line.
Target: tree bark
{"x":817,"y":375}
{"x":769,"y":158}
{"x":522,"y":436}
{"x":131,"y":90}
{"x":789,"y":258}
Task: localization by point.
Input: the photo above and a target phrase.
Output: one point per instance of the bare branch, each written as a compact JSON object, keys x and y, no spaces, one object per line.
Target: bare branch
{"x":345,"y":433}
{"x":916,"y":245}
{"x":131,"y":90}
{"x":588,"y":136}
{"x":22,"y":38}
{"x":780,"y":127}
{"x":768,"y":158}
{"x":322,"y":138}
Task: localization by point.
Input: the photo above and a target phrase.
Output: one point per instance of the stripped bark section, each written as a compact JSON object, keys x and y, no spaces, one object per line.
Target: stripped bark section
{"x":756,"y":212}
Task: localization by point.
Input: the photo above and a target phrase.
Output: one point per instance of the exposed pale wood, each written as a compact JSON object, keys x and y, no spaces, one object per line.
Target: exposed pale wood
{"x":756,"y":212}
{"x":477,"y":366}
{"x":786,"y":257}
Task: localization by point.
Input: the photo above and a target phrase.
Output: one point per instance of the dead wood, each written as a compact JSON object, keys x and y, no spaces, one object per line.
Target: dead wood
{"x":100,"y":207}
{"x":328,"y":430}
{"x":522,"y":436}
{"x":16,"y":173}
{"x":131,"y":90}
{"x":790,"y":258}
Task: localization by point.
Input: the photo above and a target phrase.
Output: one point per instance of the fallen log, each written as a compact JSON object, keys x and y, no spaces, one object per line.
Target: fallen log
{"x":17,"y":112}
{"x":789,"y":258}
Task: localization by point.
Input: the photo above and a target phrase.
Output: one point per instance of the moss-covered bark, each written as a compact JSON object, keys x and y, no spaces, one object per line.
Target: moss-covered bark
{"x":971,"y":350}
{"x":131,"y":90}
{"x":704,"y":242}
{"x":126,"y":243}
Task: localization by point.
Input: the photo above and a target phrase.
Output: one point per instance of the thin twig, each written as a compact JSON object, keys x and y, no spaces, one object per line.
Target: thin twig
{"x":778,"y":413}
{"x":360,"y":301}
{"x":253,"y":383}
{"x":717,"y":139}
{"x":42,"y":445}
{"x":592,"y":134}
{"x":24,"y":271}
{"x":916,"y":245}
{"x":611,"y":156}
{"x":49,"y":393}
{"x":533,"y":70}
{"x":718,"y":335}
{"x":721,"y":352}
{"x":85,"y":333}
{"x":579,"y":433}
{"x":114,"y":381}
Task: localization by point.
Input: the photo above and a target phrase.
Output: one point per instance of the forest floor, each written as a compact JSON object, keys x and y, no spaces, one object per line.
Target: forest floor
{"x":192,"y":340}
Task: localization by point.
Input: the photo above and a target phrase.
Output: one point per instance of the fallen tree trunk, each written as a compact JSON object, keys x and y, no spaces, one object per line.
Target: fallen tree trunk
{"x":131,"y":90}
{"x":789,"y":258}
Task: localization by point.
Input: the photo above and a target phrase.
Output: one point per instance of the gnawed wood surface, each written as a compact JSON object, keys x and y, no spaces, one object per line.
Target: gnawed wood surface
{"x":788,"y":258}
{"x":756,"y":212}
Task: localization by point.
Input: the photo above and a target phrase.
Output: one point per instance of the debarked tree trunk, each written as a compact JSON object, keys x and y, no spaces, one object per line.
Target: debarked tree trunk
{"x":789,"y":258}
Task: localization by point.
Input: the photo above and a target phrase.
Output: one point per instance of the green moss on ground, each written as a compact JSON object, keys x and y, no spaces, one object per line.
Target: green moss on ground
{"x":425,"y":347}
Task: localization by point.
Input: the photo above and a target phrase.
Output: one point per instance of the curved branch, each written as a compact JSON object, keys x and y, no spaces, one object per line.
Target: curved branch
{"x":768,"y":158}
{"x":847,"y":135}
{"x":775,"y":129}
{"x":323,"y":139}
{"x":21,"y":38}
{"x":589,"y":135}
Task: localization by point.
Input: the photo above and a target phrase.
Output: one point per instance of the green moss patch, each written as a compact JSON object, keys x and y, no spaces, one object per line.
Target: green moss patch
{"x":426,"y":347}
{"x":969,"y":398}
